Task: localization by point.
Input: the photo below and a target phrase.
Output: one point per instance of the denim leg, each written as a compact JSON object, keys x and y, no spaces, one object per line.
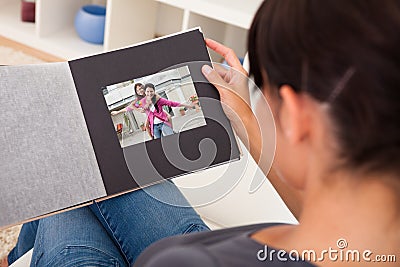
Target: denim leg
{"x":138,"y":219}
{"x":167,"y":130}
{"x":157,"y":130}
{"x":74,"y":238}
{"x":133,"y":221}
{"x":26,"y":240}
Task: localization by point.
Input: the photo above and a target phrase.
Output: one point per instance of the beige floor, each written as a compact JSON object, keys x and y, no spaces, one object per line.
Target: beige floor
{"x":12,"y":53}
{"x":8,"y":238}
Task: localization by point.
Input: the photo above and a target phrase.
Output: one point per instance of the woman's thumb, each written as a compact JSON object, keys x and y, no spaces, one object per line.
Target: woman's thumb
{"x":213,"y":77}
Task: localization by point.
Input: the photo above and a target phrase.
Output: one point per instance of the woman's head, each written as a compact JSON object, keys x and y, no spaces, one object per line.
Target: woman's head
{"x":139,"y":90}
{"x":150,"y":90}
{"x":339,"y":54}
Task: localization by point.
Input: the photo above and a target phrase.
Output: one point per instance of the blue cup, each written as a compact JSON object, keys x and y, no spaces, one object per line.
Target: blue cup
{"x":90,"y":22}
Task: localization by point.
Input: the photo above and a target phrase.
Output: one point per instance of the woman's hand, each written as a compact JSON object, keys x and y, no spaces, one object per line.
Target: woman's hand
{"x":147,"y":103}
{"x":233,"y":80}
{"x":188,"y":106}
{"x":232,"y":85}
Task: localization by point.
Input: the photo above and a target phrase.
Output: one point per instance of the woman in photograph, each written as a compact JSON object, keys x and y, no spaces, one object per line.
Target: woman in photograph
{"x":136,"y":103}
{"x":160,"y":123}
{"x":330,"y":71}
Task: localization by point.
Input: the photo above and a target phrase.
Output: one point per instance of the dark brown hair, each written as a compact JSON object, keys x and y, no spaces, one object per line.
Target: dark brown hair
{"x":342,"y":52}
{"x":136,"y":93}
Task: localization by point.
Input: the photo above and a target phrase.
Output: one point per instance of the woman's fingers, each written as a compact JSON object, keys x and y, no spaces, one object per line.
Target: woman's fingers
{"x":214,"y":77}
{"x":232,"y":80}
{"x":229,"y":96}
{"x":227,"y":53}
{"x":233,"y":103}
{"x":221,"y":70}
{"x":224,"y":51}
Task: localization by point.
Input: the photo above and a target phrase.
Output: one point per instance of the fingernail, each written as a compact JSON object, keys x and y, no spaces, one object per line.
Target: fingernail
{"x":206,"y":69}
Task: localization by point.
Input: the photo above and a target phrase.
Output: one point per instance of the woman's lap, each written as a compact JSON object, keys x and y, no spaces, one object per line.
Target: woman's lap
{"x":26,"y":240}
{"x":74,"y":238}
{"x":153,"y":213}
{"x":118,"y":229}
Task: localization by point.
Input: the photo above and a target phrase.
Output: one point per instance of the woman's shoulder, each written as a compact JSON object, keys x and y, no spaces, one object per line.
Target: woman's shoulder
{"x":227,"y":247}
{"x":160,"y":99}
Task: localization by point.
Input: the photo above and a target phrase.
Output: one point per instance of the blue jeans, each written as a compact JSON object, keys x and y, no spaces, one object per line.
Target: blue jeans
{"x":109,"y":233}
{"x":161,"y":129}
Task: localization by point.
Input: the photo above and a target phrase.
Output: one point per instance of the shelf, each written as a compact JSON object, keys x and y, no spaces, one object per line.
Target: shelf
{"x":68,"y":45}
{"x":64,"y":44}
{"x":234,"y":12}
{"x":226,"y":21}
{"x":11,"y":25}
{"x":129,"y":22}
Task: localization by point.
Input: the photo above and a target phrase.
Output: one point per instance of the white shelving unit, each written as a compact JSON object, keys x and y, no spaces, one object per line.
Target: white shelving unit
{"x":226,"y":21}
{"x":127,"y":22}
{"x":53,"y":31}
{"x":234,"y":12}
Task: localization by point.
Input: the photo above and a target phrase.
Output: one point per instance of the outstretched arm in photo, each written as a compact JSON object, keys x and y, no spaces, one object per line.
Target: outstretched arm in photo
{"x":131,"y":106}
{"x":165,"y":102}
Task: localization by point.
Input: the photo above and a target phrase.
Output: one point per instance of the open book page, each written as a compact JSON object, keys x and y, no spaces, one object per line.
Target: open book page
{"x":63,"y":145}
{"x":47,"y":160}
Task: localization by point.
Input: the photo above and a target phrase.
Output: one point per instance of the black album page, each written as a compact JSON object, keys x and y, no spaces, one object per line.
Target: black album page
{"x":174,"y":126}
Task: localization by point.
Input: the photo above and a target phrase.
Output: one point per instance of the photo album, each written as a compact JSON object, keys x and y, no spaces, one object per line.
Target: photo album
{"x":100,"y":126}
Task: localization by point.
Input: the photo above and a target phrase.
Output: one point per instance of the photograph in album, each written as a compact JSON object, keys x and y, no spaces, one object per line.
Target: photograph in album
{"x":154,"y":106}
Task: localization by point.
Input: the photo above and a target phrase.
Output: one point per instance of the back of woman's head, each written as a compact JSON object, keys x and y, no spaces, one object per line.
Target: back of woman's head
{"x":345,"y":54}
